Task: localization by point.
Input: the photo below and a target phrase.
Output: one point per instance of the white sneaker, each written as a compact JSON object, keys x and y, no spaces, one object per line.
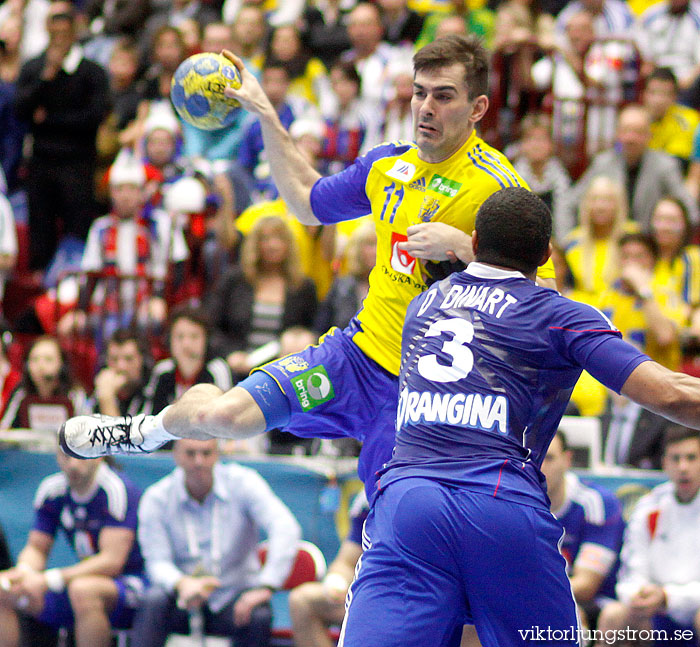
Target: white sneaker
{"x":98,"y":435}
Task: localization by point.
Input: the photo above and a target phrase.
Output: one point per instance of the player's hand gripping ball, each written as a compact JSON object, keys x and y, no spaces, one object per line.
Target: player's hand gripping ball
{"x":197,"y":90}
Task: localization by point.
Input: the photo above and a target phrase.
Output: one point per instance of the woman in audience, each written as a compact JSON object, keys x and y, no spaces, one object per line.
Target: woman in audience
{"x":678,"y":264}
{"x":47,"y":394}
{"x":253,"y":304}
{"x":347,"y":293}
{"x":591,"y":248}
{"x":308,"y":76}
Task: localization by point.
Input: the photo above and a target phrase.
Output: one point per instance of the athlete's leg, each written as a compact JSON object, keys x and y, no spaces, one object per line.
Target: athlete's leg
{"x":409,"y":590}
{"x":516,"y":577}
{"x":312,"y":610}
{"x":92,"y":599}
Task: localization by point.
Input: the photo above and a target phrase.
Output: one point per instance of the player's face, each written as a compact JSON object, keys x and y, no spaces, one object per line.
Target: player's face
{"x":80,"y":473}
{"x":197,"y":459}
{"x":681,"y":463}
{"x":125,"y":359}
{"x":443,"y":114}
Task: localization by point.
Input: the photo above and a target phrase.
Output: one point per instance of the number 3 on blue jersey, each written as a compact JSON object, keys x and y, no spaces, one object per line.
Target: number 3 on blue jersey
{"x":456,"y":348}
{"x":392,"y":190}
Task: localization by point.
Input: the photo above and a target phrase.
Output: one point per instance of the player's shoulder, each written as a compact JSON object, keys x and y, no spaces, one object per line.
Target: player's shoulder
{"x":494,"y":170}
{"x":119,"y":492}
{"x":597,"y":503}
{"x":388,"y":150}
{"x":576,"y":316}
{"x":652,"y":502}
{"x":359,"y":506}
{"x":54,"y":486}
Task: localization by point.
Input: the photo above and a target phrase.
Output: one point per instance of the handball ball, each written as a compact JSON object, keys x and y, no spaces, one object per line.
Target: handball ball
{"x":197,"y":90}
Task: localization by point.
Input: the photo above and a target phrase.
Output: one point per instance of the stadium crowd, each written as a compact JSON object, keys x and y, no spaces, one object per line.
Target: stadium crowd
{"x":139,"y":255}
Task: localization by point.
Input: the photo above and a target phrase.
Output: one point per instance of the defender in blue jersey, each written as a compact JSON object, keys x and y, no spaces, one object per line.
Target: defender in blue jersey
{"x":593,"y":529}
{"x":95,"y":508}
{"x":461,"y":525}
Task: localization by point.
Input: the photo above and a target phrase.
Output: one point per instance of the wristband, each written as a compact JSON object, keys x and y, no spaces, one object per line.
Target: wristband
{"x":54,"y":580}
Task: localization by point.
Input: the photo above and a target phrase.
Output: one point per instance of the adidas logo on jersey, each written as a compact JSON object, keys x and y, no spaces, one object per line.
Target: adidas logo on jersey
{"x":418,"y":185}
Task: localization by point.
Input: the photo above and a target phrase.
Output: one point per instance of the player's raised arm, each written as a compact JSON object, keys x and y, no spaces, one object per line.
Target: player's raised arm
{"x":292,"y":173}
{"x":675,"y":396}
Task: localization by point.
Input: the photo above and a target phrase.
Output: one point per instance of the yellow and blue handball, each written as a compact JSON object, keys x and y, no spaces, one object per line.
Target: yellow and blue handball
{"x":197,"y":90}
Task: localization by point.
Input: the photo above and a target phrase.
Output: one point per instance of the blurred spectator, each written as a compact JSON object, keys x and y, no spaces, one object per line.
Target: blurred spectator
{"x":32,"y":15}
{"x":632,"y":436}
{"x":611,"y":18}
{"x":175,"y":13}
{"x":119,"y":386}
{"x":588,"y":81}
{"x":323,"y":28}
{"x":253,"y":304}
{"x":284,"y":12}
{"x":251,"y":155}
{"x":466,"y":20}
{"x":199,"y":529}
{"x":128,"y":242}
{"x":168,"y":50}
{"x":398,"y":118}
{"x":308,"y":76}
{"x":592,"y":248}
{"x":217,"y":36}
{"x":370,"y":54}
{"x":9,"y":375}
{"x":8,"y":243}
{"x":520,"y":27}
{"x":95,"y":508}
{"x":314,"y":606}
{"x":64,"y":98}
{"x":544,"y":172}
{"x":668,"y":35}
{"x":46,"y":395}
{"x":162,"y":146}
{"x":347,"y":292}
{"x":660,"y":575}
{"x":593,"y":528}
{"x":678,"y":265}
{"x":402,"y":26}
{"x":647,"y":175}
{"x":189,"y":362}
{"x":110,"y":20}
{"x":10,"y":39}
{"x":346,"y":122}
{"x":648,"y":316}
{"x":672,"y":126}
{"x":249,"y":31}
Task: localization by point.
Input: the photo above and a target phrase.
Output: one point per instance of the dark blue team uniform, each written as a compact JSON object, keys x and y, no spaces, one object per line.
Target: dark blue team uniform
{"x":461,"y":528}
{"x":114,"y":503}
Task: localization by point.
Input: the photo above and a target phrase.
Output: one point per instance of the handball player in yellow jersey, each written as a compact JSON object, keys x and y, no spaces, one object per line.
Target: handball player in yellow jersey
{"x":423,"y":197}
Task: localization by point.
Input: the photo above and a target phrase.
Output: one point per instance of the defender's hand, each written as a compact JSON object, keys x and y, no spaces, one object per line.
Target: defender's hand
{"x":436,"y":241}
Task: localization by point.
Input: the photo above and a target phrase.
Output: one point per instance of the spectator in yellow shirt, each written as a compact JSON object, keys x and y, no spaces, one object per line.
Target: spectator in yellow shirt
{"x":672,"y":125}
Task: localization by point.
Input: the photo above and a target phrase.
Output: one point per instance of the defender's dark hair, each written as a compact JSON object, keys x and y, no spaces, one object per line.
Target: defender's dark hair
{"x":451,"y":49}
{"x":676,"y":433}
{"x":513,"y":227}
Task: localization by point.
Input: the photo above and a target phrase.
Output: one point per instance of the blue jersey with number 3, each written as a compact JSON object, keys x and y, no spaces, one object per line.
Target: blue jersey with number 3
{"x":489,"y":360}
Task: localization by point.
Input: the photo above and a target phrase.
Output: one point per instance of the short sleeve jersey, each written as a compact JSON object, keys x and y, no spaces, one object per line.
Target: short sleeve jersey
{"x":488,"y":365}
{"x":113,"y":502}
{"x":399,"y":189}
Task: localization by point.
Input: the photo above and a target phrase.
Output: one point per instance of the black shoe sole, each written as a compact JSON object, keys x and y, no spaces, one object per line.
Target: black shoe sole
{"x":64,"y":445}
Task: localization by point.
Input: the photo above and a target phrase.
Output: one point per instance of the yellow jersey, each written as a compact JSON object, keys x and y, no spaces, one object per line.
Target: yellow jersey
{"x":674,"y":133}
{"x":399,"y":189}
{"x":681,"y":275}
{"x":627,"y":314}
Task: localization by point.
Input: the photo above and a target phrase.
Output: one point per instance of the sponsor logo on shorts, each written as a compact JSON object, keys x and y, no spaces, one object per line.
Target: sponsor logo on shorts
{"x":293,"y":364}
{"x":313,"y":388}
{"x":401,"y":261}
{"x":444,"y":185}
{"x":402,"y":171}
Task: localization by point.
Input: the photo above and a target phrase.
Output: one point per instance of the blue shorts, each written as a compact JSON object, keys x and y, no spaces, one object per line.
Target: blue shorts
{"x":59,"y":613}
{"x":335,"y":390}
{"x":438,"y":557}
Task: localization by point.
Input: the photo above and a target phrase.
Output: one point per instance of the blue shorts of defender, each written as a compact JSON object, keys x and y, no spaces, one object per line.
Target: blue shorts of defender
{"x":334,"y":390}
{"x":59,"y":613}
{"x":437,"y":555}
